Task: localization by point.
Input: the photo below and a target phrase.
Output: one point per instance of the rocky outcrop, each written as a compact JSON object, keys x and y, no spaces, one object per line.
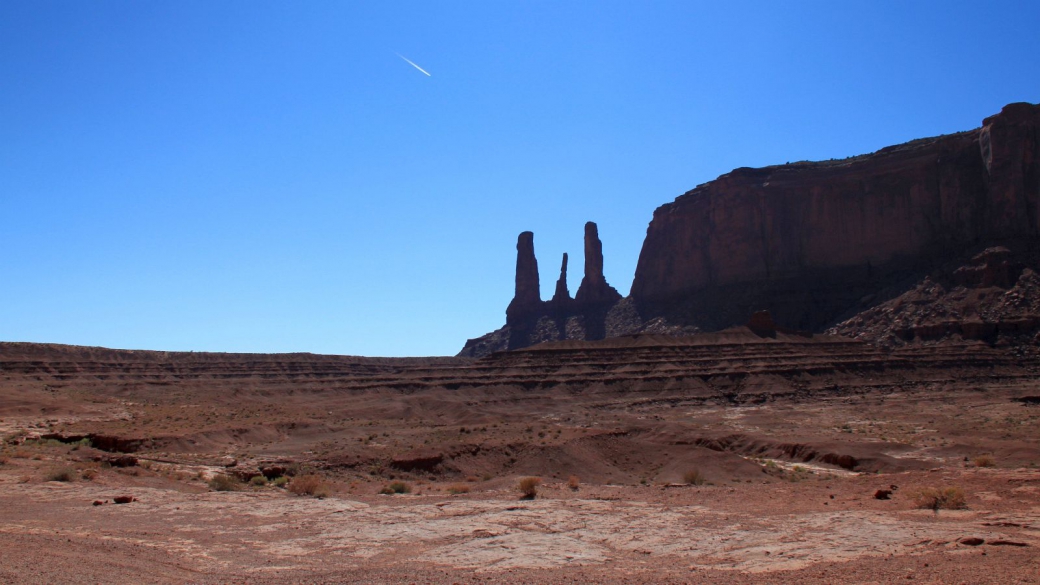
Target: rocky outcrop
{"x":995,"y":298}
{"x":529,"y":320}
{"x":993,"y":267}
{"x":815,"y":243}
{"x":808,"y":240}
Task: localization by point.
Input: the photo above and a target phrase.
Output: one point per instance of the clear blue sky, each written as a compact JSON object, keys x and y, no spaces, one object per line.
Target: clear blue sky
{"x":271,"y":176}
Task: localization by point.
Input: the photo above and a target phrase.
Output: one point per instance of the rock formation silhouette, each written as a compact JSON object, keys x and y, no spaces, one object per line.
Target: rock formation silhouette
{"x":562,"y":296}
{"x":527,"y":298}
{"x":594,"y":289}
{"x":529,"y":320}
{"x":812,"y":243}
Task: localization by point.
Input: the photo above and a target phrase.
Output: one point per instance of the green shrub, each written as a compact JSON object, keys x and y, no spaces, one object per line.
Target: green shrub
{"x":258,"y":480}
{"x":280,"y":481}
{"x":223,"y":482}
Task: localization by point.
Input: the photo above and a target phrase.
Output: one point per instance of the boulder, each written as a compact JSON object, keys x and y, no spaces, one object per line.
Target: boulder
{"x":274,"y":471}
{"x":761,"y":324}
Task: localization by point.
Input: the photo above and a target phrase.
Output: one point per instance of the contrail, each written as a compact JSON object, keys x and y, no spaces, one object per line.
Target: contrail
{"x":409,"y":61}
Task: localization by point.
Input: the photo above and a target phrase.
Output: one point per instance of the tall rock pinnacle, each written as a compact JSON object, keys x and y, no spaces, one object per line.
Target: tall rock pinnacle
{"x":527,"y":297}
{"x":562,"y":295}
{"x":594,"y":289}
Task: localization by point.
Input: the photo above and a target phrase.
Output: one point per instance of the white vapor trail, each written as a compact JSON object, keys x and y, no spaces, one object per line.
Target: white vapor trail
{"x":409,"y":61}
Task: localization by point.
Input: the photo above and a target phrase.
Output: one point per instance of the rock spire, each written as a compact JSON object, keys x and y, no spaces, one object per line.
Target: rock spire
{"x":527,"y":297}
{"x":594,"y":289}
{"x":562,"y":295}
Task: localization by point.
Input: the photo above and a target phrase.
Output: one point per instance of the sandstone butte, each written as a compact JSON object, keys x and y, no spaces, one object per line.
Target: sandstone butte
{"x":813,"y":243}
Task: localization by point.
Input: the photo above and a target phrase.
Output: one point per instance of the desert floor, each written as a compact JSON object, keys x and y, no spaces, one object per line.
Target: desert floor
{"x":671,"y":486}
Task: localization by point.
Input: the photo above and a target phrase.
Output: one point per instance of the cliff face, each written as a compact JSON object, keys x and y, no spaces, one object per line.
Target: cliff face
{"x":771,"y":237}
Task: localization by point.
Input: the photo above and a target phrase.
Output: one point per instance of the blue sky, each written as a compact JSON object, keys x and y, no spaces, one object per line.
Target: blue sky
{"x":271,"y":176}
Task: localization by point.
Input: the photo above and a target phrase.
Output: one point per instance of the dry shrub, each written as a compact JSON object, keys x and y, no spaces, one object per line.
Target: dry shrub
{"x":528,"y":486}
{"x":3,"y":460}
{"x":573,"y":482}
{"x":397,"y":487}
{"x":310,"y":485}
{"x":65,"y":473}
{"x":223,"y":482}
{"x":694,"y":477}
{"x":89,"y":473}
{"x":459,"y":488}
{"x":984,"y":461}
{"x":950,"y":498}
{"x":21,"y":454}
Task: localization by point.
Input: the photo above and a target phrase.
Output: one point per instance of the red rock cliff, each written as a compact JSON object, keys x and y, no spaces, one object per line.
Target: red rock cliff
{"x":865,"y":216}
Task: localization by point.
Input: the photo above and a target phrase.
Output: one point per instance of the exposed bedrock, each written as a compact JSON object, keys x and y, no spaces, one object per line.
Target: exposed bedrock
{"x":808,"y":240}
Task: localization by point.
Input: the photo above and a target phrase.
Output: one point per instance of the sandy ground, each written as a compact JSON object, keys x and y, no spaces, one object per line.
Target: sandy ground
{"x":785,"y":493}
{"x":176,"y":532}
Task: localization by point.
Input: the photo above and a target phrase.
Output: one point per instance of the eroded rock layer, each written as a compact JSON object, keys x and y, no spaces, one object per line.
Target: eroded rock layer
{"x":691,"y":366}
